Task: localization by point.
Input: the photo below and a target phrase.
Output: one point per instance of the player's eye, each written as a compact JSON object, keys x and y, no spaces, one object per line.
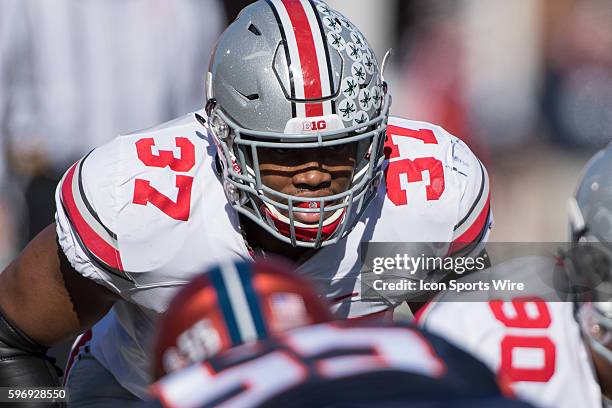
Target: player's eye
{"x":335,"y":148}
{"x":280,"y":150}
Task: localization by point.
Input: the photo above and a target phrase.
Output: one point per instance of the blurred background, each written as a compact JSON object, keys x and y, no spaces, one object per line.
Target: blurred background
{"x":526,"y":83}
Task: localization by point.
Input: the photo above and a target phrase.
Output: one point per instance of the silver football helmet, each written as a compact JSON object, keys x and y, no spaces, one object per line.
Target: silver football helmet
{"x":591,"y":228}
{"x":292,"y":75}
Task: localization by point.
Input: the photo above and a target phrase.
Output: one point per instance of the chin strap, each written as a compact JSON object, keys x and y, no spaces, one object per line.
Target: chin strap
{"x":303,"y":232}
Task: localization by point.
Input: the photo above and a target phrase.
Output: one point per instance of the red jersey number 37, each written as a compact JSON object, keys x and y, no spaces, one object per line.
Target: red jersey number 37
{"x":144,"y":193}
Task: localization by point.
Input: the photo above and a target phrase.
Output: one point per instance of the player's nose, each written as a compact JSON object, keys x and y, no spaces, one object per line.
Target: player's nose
{"x":312,"y":178}
{"x":312,"y":174}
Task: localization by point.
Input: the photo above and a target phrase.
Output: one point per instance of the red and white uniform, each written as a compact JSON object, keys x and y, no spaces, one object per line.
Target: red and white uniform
{"x":146,"y":212}
{"x":536,"y":345}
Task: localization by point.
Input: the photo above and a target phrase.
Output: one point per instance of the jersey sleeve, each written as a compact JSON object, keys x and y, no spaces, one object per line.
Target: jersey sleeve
{"x":86,"y":210}
{"x":475,"y":218}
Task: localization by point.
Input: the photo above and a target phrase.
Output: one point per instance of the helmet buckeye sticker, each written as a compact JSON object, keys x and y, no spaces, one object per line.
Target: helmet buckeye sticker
{"x":365,"y":99}
{"x":347,"y":110}
{"x":336,"y":40}
{"x":350,"y":87}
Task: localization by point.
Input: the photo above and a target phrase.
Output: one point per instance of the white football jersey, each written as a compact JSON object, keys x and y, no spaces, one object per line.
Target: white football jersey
{"x":146,"y":212}
{"x":535,"y":344}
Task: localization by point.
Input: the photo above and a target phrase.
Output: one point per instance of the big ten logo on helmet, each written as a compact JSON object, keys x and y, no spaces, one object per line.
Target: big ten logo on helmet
{"x":314,"y":125}
{"x":197,"y":343}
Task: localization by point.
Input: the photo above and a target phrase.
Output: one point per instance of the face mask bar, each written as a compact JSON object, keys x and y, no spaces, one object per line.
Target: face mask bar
{"x":248,"y":193}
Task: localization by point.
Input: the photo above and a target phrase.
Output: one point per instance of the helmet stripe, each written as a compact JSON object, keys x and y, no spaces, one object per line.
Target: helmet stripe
{"x":238,"y":302}
{"x":287,"y":55}
{"x":253,"y":299}
{"x":295,"y":69}
{"x":305,"y":53}
{"x":226,"y":307}
{"x":322,"y":58}
{"x":311,"y":76}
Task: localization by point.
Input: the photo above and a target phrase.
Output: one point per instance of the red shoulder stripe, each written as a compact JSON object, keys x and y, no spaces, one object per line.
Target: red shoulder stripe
{"x":473,"y":231}
{"x":90,"y":238}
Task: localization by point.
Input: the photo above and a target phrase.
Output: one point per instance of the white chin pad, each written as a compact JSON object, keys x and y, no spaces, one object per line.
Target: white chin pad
{"x":276,"y":214}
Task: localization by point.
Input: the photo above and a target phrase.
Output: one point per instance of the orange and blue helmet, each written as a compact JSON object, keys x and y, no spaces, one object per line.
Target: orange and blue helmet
{"x":232,"y":304}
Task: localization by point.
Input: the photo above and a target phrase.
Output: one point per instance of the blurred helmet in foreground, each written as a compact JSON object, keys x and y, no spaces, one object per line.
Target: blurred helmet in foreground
{"x":232,"y":304}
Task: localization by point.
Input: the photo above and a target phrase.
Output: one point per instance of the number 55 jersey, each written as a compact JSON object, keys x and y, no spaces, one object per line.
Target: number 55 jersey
{"x":146,"y":212}
{"x":338,"y":364}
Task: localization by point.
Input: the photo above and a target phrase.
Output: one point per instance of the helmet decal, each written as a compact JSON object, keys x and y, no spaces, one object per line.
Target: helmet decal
{"x":354,"y":52}
{"x":336,"y":40}
{"x":350,"y":87}
{"x":347,"y":110}
{"x":365,"y":99}
{"x":376,"y":96}
{"x":358,"y":40}
{"x":360,"y":118}
{"x":358,"y":71}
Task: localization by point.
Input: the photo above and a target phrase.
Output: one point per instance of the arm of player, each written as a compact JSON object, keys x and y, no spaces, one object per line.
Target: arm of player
{"x":42,"y":302}
{"x":54,"y":289}
{"x":475,"y":217}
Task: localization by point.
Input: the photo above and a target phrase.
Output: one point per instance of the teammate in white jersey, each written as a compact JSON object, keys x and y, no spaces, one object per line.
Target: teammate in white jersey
{"x":293,"y":155}
{"x":557,"y":354}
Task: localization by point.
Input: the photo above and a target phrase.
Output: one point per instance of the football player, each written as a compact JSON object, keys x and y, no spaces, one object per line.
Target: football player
{"x":555,"y":353}
{"x":295,"y":154}
{"x":347,"y":363}
{"x":360,"y":363}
